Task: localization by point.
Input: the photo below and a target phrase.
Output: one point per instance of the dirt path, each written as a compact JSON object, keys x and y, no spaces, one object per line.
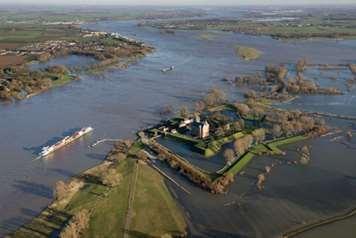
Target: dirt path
{"x":132,"y":192}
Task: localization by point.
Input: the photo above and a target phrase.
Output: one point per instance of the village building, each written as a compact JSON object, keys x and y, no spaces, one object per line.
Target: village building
{"x":186,"y":122}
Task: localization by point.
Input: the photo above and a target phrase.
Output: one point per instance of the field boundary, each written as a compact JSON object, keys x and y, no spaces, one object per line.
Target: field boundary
{"x":323,"y":222}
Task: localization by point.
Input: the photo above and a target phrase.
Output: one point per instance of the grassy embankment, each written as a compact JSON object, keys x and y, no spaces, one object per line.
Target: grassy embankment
{"x":214,"y":146}
{"x":155,"y":211}
{"x":271,"y":147}
{"x":211,"y":181}
{"x":247,"y":53}
{"x":207,"y":149}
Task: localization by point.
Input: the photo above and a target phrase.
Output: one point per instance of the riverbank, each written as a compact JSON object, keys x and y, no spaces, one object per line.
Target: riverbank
{"x":152,"y":208}
{"x":18,"y":80}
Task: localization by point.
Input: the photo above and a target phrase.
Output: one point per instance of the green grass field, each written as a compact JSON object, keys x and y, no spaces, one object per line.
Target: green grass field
{"x":153,"y":200}
{"x":269,"y":147}
{"x":31,"y":33}
{"x":156,"y":212}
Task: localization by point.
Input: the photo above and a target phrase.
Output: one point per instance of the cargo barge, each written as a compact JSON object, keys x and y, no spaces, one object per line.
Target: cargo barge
{"x":65,"y":141}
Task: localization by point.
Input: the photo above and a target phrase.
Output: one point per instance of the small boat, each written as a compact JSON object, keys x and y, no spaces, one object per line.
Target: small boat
{"x":46,"y":150}
{"x":167,"y":69}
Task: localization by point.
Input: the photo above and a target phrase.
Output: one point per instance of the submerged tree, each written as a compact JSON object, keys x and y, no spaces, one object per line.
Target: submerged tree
{"x":200,"y":106}
{"x":184,"y":112}
{"x":215,"y":97}
{"x":300,"y":66}
{"x":242,"y":108}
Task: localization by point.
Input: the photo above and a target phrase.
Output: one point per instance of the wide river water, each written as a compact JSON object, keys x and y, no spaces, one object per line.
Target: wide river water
{"x":119,"y":102}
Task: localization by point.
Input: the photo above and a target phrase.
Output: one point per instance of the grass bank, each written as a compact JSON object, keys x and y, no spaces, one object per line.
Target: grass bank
{"x":156,"y":212}
{"x":206,"y":148}
{"x":266,"y":148}
{"x":213,"y":147}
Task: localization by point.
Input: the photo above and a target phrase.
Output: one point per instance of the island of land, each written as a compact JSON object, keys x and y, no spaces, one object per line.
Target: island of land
{"x":283,"y":23}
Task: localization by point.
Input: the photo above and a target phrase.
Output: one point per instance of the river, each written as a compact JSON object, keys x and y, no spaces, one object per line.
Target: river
{"x":118,"y":102}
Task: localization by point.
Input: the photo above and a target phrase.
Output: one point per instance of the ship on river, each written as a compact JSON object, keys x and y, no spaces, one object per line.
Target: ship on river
{"x":171,"y":68}
{"x":65,"y":141}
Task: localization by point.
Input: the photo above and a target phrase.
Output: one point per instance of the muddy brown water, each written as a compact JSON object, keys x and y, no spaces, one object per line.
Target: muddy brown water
{"x":118,"y":102}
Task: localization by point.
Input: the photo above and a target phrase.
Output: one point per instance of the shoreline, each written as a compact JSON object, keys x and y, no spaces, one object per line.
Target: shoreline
{"x":108,"y":49}
{"x":131,"y":168}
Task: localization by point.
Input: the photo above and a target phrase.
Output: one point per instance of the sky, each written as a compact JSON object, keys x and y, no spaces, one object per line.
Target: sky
{"x":178,"y":2}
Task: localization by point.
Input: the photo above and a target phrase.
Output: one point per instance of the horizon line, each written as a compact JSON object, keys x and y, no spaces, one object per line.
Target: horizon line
{"x":177,"y":5}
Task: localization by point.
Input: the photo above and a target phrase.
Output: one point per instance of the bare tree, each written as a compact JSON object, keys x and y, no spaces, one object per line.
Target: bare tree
{"x":184,"y":112}
{"x":214,"y":97}
{"x":241,"y":145}
{"x":276,"y":131}
{"x":243,"y":109}
{"x":60,"y":190}
{"x":77,"y":224}
{"x":259,"y":135}
{"x":200,"y":106}
{"x":111,"y":177}
{"x":300,"y":66}
{"x":229,"y":156}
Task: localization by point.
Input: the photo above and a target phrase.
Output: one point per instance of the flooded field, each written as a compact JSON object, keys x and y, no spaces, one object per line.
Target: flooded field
{"x":119,"y":102}
{"x":345,"y":228}
{"x":293,"y":195}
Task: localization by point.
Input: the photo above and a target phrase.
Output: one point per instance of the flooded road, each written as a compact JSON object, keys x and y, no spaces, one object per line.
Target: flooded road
{"x":118,"y":102}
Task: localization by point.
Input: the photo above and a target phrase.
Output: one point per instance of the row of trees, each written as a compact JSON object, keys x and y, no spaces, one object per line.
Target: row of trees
{"x":119,"y":151}
{"x":241,"y":145}
{"x":293,"y":122}
{"x":217,"y":186}
{"x":282,"y":122}
{"x":214,"y":97}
